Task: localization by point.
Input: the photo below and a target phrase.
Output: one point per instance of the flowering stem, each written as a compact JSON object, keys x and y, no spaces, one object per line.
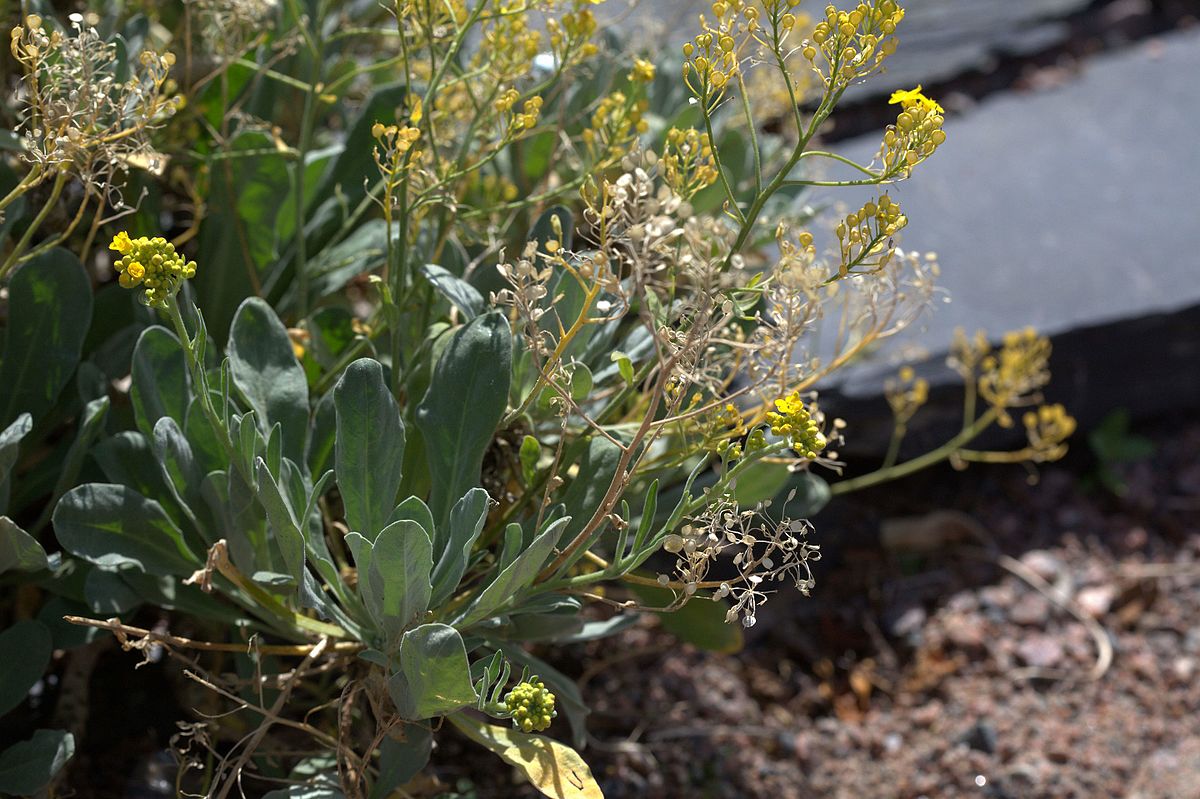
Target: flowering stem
{"x":938,"y":455}
{"x":15,"y":256}
{"x":30,"y":180}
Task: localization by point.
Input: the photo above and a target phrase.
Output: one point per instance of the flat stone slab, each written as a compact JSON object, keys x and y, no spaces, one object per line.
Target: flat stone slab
{"x":939,"y":39}
{"x":1073,"y":210}
{"x":1063,"y":208}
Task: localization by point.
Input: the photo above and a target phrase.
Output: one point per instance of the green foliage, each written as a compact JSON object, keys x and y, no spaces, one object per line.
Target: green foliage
{"x":471,"y":345}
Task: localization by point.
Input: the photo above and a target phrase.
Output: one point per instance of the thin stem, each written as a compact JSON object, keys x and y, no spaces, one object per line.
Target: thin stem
{"x":51,"y":202}
{"x":938,"y":455}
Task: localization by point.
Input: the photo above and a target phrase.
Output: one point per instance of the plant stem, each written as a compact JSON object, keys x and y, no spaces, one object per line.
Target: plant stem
{"x":51,"y":201}
{"x":938,"y":455}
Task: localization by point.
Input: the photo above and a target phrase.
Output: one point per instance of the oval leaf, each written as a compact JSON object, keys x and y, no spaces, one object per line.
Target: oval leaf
{"x":435,"y":675}
{"x":19,"y":551}
{"x":369,"y":447}
{"x":49,"y":312}
{"x":266,"y":371}
{"x":115,"y":527}
{"x":28,"y":767}
{"x":29,"y":646}
{"x":465,"y":401}
{"x":554,"y":768}
{"x":160,"y":379}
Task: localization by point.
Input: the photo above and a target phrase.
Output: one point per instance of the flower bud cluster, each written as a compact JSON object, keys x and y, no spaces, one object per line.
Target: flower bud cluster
{"x":1048,"y":428}
{"x":709,"y":64}
{"x":616,"y":121}
{"x":643,"y":71}
{"x":794,"y":422}
{"x":397,"y":151}
{"x":531,"y":706}
{"x":854,"y":44}
{"x":864,"y":236}
{"x":687,"y":163}
{"x":906,"y":395}
{"x":915,"y":135}
{"x":153,"y":263}
{"x":526,"y":118}
{"x":1019,"y":367}
{"x":570,"y":38}
{"x":508,"y":47}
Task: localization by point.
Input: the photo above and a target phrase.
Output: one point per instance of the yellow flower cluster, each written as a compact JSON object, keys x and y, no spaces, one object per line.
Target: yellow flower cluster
{"x":864,"y":235}
{"x":854,"y":43}
{"x":152,"y":263}
{"x":906,"y":395}
{"x":1048,"y":428}
{"x":531,"y":705}
{"x":399,"y":151}
{"x":1018,"y":368}
{"x":710,"y":57}
{"x":687,"y":162}
{"x":794,"y":422}
{"x":916,"y":134}
{"x":642,"y":72}
{"x":526,"y":118}
{"x":724,"y":429}
{"x":615,"y":122}
{"x":508,"y":48}
{"x":569,"y":38}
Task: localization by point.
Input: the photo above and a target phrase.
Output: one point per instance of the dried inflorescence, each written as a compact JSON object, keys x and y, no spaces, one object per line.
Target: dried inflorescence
{"x":764,"y":551}
{"x":80,"y":115}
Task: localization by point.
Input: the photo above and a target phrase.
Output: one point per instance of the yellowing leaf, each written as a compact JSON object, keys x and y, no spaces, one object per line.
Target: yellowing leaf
{"x":554,"y":768}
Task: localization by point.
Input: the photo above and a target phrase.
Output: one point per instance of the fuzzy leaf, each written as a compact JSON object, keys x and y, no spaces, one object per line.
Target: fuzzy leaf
{"x":28,"y":646}
{"x":160,"y":380}
{"x":396,"y":584}
{"x":465,"y":401}
{"x":266,"y":371}
{"x":49,"y":312}
{"x":29,"y":766}
{"x":554,"y":768}
{"x":515,"y":577}
{"x":369,"y":448}
{"x":434,"y":676}
{"x":115,"y":527}
{"x":19,"y":551}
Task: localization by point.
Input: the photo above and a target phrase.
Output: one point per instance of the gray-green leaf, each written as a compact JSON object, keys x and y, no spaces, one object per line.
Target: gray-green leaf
{"x":516,"y":576}
{"x":19,"y":551}
{"x":266,"y":371}
{"x":452,"y":547}
{"x":49,"y":312}
{"x":434,"y":676}
{"x":396,"y":585}
{"x":27,"y":767}
{"x":160,"y":380}
{"x":115,"y":527}
{"x":465,"y":401}
{"x":461,"y":294}
{"x":28,"y":647}
{"x":369,"y":449}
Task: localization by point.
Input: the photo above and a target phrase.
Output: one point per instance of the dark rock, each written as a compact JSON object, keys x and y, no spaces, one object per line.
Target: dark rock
{"x":981,"y":737}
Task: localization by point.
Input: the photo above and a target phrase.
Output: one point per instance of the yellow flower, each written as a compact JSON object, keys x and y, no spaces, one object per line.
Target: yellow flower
{"x":643,"y":71}
{"x":153,"y":263}
{"x":795,"y":423}
{"x":910,"y":97}
{"x":121,"y":243}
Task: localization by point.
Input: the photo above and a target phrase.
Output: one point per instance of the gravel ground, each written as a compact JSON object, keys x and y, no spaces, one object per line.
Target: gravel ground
{"x":927,"y":663}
